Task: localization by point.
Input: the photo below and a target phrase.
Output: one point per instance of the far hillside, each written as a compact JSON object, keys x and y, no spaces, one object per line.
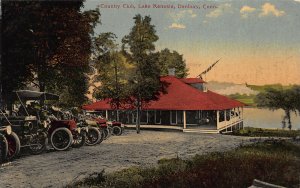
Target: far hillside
{"x":264,"y":87}
{"x":244,"y":93}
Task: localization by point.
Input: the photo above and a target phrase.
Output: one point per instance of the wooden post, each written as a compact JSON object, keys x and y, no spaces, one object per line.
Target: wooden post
{"x":242,"y":115}
{"x":218,"y":117}
{"x":184,"y":119}
{"x":106,"y":114}
{"x":225,"y":119}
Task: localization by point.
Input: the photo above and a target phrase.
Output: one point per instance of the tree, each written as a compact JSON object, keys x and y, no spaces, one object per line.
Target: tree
{"x":173,"y":59}
{"x":48,"y":42}
{"x":139,"y":48}
{"x":287,"y":99}
{"x":113,"y":72}
{"x":296,"y":97}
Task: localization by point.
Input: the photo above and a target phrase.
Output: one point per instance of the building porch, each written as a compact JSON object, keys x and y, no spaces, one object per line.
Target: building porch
{"x":206,"y":121}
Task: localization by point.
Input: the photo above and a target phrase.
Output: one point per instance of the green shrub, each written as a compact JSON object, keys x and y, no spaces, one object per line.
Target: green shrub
{"x":259,"y":132}
{"x":274,"y":162}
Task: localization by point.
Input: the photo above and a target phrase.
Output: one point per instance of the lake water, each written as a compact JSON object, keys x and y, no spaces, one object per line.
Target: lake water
{"x":264,"y":118}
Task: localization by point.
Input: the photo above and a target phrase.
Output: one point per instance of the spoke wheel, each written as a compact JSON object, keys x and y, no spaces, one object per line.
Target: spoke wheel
{"x":13,"y":143}
{"x":3,"y":148}
{"x":105,"y":133}
{"x":61,"y":139}
{"x":116,"y":130}
{"x":38,"y":145}
{"x":79,"y":140}
{"x":93,"y":136}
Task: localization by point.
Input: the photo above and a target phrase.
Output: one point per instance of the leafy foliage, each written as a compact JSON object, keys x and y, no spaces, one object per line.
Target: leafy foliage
{"x":139,"y":48}
{"x":47,"y":44}
{"x":263,"y":88}
{"x":287,"y":99}
{"x":274,"y":162}
{"x":173,"y":59}
{"x":113,"y":71}
{"x":259,"y":132}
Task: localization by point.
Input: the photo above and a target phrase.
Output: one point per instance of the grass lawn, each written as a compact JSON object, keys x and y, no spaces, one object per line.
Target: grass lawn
{"x":246,"y":99}
{"x":273,"y":162}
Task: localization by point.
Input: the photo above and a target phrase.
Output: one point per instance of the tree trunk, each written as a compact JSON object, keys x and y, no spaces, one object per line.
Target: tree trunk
{"x":287,"y":118}
{"x":42,"y":89}
{"x":288,"y":115}
{"x":138,"y":116}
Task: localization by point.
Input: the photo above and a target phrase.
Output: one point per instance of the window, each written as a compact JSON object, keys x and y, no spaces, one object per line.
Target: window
{"x":144,"y":116}
{"x":179,"y":117}
{"x":133,"y":117}
{"x":151,"y":117}
{"x":227,"y":115}
{"x":221,"y":116}
{"x":123,"y":116}
{"x":191,"y":117}
{"x":158,"y":117}
{"x":173,"y":117}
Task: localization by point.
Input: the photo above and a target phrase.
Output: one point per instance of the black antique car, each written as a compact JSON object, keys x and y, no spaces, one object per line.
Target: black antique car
{"x":27,"y":121}
{"x":35,"y":125}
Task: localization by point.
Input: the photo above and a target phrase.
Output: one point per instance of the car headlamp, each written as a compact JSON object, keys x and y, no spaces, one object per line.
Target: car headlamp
{"x":45,"y":123}
{"x":8,"y":130}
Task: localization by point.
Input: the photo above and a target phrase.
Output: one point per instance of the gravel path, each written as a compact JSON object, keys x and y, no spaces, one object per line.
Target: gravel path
{"x":57,"y":169}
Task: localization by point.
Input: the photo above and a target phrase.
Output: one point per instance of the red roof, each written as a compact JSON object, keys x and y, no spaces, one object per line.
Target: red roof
{"x":180,"y":96}
{"x":192,"y":80}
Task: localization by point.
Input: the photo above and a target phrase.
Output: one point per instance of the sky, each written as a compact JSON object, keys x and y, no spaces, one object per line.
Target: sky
{"x":257,"y":41}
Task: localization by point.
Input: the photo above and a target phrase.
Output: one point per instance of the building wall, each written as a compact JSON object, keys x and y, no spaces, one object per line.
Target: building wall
{"x":165,"y":117}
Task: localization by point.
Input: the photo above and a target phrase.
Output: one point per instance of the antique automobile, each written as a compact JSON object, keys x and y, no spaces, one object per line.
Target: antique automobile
{"x":9,"y":141}
{"x":36,"y":126}
{"x":107,"y":127}
{"x":93,"y":135}
{"x":27,"y":121}
{"x":78,"y":129}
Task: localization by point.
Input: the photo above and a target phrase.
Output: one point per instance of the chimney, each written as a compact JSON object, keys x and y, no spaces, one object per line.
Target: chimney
{"x":171,"y":72}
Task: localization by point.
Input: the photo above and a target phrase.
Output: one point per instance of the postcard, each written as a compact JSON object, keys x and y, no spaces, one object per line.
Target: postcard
{"x":150,"y":93}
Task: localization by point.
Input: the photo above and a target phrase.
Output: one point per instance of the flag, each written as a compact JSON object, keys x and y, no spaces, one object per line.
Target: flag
{"x":208,"y":69}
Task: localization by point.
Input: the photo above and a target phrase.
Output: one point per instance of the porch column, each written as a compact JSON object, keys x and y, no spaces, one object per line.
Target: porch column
{"x":184,"y":119}
{"x":242,"y":115}
{"x":106,"y":114}
{"x":218,"y":117}
{"x":225,"y":119}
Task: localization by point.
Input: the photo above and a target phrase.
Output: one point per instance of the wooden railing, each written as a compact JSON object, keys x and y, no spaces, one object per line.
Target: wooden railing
{"x":225,"y":124}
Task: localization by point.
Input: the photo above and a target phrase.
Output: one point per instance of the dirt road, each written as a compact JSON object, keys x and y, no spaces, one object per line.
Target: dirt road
{"x":57,"y":169}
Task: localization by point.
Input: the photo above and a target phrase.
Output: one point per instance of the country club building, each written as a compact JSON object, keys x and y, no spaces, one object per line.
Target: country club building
{"x":186,"y":105}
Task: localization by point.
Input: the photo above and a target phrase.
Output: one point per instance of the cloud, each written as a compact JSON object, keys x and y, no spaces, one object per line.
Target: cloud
{"x":182,"y":14}
{"x":269,"y":9}
{"x":177,"y":26}
{"x":219,"y":11}
{"x":179,"y":16}
{"x":246,"y":10}
{"x":297,"y":0}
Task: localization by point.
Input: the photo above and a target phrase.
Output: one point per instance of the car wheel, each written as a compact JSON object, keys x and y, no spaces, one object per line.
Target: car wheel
{"x":61,"y":139}
{"x":105,"y":133}
{"x":79,"y":140}
{"x":116,"y":130}
{"x":14,"y":145}
{"x":93,"y":136}
{"x":3,"y":148}
{"x":38,"y":145}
